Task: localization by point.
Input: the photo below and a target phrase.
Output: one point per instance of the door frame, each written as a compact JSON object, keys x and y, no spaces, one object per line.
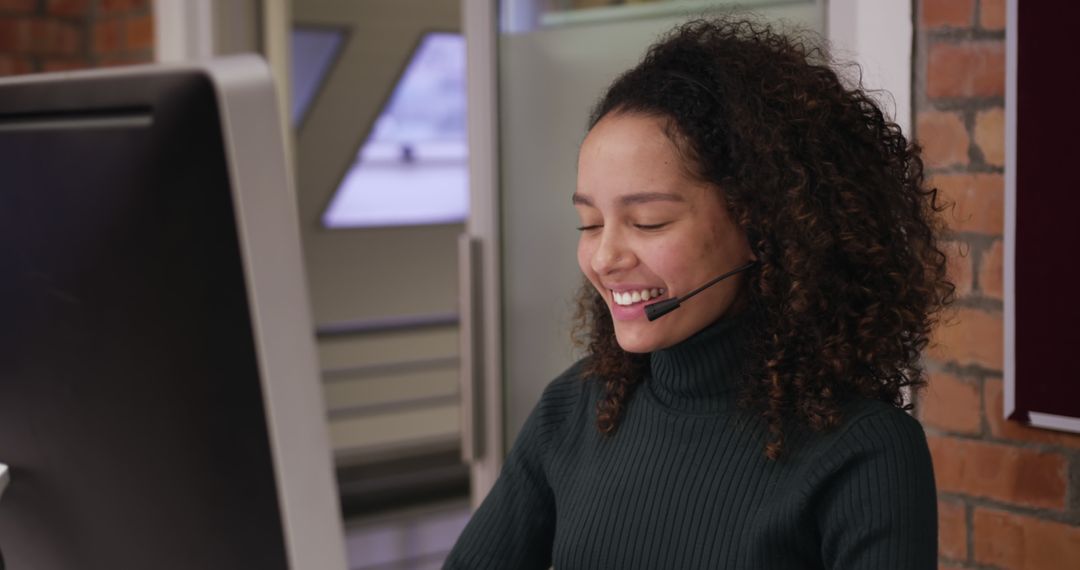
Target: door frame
{"x":482,"y":385}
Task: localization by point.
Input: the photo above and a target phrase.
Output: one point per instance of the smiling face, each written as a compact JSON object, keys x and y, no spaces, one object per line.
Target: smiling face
{"x":648,"y":225}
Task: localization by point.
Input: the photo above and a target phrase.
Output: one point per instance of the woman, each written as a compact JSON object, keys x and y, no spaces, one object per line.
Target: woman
{"x":761,"y":424}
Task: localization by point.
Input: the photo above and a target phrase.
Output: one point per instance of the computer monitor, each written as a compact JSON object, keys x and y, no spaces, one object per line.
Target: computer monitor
{"x":159,"y":397}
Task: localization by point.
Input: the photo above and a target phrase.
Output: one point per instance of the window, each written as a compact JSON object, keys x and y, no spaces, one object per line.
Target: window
{"x":313,"y":52}
{"x":413,"y":167}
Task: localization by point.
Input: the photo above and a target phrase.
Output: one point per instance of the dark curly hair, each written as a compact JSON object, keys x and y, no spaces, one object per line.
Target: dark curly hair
{"x":850,"y":280}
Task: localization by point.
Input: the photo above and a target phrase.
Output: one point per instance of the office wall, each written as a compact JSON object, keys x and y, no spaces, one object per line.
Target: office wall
{"x":1009,"y":495}
{"x":55,"y":35}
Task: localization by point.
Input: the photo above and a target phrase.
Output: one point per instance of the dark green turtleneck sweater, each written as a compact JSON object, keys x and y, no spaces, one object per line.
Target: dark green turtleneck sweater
{"x":684,"y":482}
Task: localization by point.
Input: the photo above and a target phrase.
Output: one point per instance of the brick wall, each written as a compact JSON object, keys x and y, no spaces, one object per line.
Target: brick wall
{"x":1009,"y":496}
{"x":52,"y":35}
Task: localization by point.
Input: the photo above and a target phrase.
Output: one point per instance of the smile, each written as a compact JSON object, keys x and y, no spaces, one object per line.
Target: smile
{"x":627,"y":298}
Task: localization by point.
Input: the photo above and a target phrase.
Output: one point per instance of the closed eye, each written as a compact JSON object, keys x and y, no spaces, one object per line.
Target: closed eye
{"x":650,"y":226}
{"x":587,"y":228}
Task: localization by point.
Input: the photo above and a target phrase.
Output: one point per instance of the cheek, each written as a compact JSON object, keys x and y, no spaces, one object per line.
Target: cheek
{"x":673,"y":259}
{"x":661,"y":262}
{"x":727,"y":240}
{"x":719,"y":247}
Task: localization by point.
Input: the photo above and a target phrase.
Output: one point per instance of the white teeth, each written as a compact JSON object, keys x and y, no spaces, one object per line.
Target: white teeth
{"x":631,"y":297}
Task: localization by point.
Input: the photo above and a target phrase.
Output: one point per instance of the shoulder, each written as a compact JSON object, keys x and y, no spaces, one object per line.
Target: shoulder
{"x":874,"y":497}
{"x":877,"y":431}
{"x":564,"y":401}
{"x":866,"y":417}
{"x":565,"y":392}
{"x":571,"y":383}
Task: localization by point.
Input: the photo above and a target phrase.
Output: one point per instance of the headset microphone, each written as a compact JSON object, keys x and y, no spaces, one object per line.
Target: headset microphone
{"x":661,"y":308}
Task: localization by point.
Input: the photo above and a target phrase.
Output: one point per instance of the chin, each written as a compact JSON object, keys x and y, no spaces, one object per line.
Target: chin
{"x":637,"y":341}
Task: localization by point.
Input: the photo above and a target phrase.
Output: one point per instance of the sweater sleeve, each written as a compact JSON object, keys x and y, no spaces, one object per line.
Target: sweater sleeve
{"x":878,"y":508}
{"x":515,"y":525}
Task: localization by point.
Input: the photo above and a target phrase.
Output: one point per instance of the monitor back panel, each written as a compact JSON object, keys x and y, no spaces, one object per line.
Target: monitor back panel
{"x":131,"y":411}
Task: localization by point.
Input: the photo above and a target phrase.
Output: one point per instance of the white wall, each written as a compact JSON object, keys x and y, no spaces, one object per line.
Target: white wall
{"x":877,"y":35}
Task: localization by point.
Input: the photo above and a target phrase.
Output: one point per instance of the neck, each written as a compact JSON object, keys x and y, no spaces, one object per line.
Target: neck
{"x":702,"y":373}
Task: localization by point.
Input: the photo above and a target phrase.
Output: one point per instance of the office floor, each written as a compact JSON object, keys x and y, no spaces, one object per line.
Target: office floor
{"x":418,"y":538}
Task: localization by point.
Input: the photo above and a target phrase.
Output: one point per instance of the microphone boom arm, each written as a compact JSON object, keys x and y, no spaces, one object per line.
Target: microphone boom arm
{"x":660,"y":308}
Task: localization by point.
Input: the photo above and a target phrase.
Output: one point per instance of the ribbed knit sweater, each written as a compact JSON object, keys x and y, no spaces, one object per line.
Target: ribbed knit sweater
{"x":684,"y":482}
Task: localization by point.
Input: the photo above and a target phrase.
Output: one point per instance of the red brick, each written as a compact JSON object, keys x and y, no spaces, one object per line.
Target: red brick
{"x":966,"y":69}
{"x":992,"y":15}
{"x":1000,"y":428}
{"x":54,"y":37}
{"x":39,"y":36}
{"x":991,"y":272}
{"x":971,"y":336}
{"x":121,"y":61}
{"x":990,"y":135}
{"x":1011,"y":540}
{"x":944,"y":138}
{"x":18,"y":6}
{"x":69,"y":8}
{"x":16,"y":35}
{"x":122,"y":5}
{"x":139,"y":33}
{"x":65,"y":64}
{"x":998,"y":538}
{"x":960,"y":267}
{"x":951,"y":404}
{"x":979,"y":201}
{"x":10,"y":29}
{"x":12,"y":65}
{"x":952,"y":530}
{"x":108,"y":36}
{"x":947,"y":13}
{"x":1000,"y":472}
{"x":949,"y":567}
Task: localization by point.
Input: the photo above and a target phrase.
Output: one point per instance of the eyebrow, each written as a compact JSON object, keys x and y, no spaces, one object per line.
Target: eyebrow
{"x":631,"y":199}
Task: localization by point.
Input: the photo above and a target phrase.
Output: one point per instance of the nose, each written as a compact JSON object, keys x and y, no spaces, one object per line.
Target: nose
{"x":611,"y":254}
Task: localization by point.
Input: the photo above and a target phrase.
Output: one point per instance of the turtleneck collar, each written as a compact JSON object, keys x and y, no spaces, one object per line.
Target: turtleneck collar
{"x":702,"y":373}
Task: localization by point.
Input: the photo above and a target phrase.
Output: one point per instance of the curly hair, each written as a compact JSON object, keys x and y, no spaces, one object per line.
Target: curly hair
{"x":851,"y":279}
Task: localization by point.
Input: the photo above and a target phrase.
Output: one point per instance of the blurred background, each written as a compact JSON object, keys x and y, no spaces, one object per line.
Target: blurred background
{"x":433,"y":144}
